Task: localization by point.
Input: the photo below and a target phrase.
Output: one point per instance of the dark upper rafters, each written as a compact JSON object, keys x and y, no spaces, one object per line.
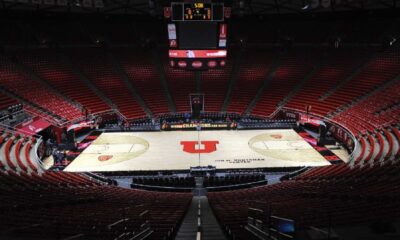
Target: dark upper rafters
{"x":251,"y":7}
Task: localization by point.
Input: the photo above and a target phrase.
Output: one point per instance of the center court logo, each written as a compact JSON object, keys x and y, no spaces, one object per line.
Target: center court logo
{"x":205,"y":146}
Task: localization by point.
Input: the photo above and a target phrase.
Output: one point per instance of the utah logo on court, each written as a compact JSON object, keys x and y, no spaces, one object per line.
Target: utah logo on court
{"x":276,"y":136}
{"x":205,"y":146}
{"x":104,"y":158}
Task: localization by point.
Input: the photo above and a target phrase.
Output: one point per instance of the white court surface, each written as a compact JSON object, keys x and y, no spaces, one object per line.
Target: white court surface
{"x":178,"y":150}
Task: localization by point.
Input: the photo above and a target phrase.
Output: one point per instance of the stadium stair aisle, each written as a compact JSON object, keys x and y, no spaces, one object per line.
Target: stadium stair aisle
{"x":138,"y":66}
{"x":268,"y":78}
{"x":200,"y":190}
{"x":188,"y":228}
{"x":125,"y":79}
{"x":233,"y":79}
{"x":33,"y":108}
{"x":163,"y":78}
{"x":210,"y":229}
{"x":98,"y":68}
{"x":74,"y":68}
{"x":27,"y":70}
{"x":318,"y":65}
{"x":348,"y":107}
{"x":360,"y":68}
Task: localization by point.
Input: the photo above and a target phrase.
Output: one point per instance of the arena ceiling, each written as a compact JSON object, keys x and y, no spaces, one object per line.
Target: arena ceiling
{"x":239,"y":7}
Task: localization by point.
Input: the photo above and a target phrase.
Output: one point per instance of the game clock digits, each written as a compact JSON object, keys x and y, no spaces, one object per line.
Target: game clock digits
{"x":197,"y":11}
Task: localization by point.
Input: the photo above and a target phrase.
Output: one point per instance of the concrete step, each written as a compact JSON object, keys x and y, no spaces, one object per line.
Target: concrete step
{"x":188,"y":228}
{"x":209,"y":227}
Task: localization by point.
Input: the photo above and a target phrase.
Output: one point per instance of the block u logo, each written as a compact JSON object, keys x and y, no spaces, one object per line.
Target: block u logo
{"x":205,"y":146}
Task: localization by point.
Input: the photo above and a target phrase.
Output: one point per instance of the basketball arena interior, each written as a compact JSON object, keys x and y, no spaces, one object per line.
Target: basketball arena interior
{"x":203,"y":120}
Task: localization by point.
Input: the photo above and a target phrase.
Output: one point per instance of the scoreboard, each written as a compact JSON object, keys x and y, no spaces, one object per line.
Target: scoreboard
{"x":198,"y":11}
{"x":197,"y":34}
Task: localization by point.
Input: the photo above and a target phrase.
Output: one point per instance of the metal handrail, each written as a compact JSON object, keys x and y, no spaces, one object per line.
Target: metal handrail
{"x":51,"y":120}
{"x":39,"y":138}
{"x":238,"y":185}
{"x":275,"y":112}
{"x":59,"y":123}
{"x":65,"y":123}
{"x":41,"y":164}
{"x":16,"y":130}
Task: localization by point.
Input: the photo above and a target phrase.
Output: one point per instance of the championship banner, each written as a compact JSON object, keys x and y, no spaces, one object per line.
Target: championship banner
{"x":167,"y":12}
{"x":171,"y":31}
{"x":196,"y":104}
{"x":222,"y":35}
{"x":222,"y":43}
{"x":222,"y":31}
{"x":227,"y":12}
{"x":173,"y":43}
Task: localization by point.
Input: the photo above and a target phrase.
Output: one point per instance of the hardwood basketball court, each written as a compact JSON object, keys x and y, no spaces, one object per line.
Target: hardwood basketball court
{"x":180,"y":150}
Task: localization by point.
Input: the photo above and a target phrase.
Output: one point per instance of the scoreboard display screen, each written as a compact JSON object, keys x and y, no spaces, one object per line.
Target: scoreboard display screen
{"x":197,"y":34}
{"x":197,"y":11}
